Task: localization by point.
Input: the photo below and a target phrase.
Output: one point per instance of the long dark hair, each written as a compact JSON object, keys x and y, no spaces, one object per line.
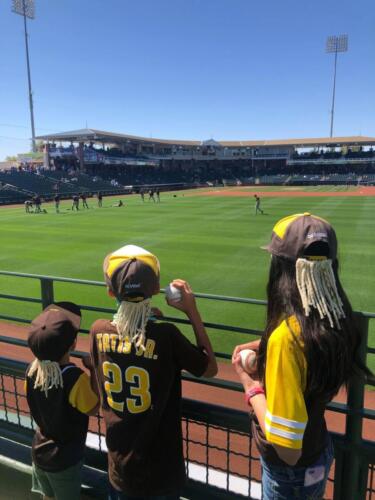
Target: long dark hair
{"x":330,"y":353}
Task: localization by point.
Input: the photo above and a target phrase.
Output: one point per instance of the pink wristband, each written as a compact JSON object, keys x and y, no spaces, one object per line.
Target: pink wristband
{"x":253,"y":392}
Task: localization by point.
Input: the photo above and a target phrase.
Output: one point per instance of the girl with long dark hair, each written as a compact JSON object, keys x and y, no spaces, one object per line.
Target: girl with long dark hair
{"x":307,"y":352}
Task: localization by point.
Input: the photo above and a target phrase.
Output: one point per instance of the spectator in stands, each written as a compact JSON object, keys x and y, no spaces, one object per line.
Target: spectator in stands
{"x":57,"y":203}
{"x":60,"y":397}
{"x":138,"y":363}
{"x":308,"y":351}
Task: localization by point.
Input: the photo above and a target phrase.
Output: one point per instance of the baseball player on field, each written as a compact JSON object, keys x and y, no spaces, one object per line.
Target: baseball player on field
{"x":28,"y":206}
{"x":57,"y":203}
{"x":257,"y":205}
{"x":138,"y":363}
{"x":75,"y":203}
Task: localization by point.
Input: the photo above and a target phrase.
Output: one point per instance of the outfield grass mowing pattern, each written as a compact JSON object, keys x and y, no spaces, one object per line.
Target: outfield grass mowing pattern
{"x":213,"y":242}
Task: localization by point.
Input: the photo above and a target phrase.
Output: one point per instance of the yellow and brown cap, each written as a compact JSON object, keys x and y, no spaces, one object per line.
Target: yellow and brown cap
{"x":132,"y":273}
{"x":293,"y":234}
{"x":54,"y":331}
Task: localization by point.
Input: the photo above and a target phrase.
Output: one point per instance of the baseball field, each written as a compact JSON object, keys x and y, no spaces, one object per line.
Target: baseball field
{"x":210,"y":237}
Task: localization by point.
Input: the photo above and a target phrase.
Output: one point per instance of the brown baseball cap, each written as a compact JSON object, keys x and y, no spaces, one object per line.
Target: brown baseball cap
{"x":132,"y":273}
{"x":54,"y":331}
{"x":293,"y":234}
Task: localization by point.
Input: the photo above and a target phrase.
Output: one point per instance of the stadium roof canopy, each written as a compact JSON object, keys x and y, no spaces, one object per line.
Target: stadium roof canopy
{"x":93,"y":135}
{"x":212,"y":143}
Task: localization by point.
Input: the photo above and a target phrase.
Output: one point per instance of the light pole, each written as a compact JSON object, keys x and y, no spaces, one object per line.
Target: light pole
{"x":26,"y":9}
{"x":334,"y":45}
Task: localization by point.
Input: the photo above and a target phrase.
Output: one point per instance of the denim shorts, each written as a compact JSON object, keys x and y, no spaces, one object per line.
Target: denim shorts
{"x":303,"y":483}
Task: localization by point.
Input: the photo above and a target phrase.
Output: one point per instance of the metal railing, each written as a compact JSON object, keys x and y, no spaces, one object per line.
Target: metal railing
{"x":225,"y":470}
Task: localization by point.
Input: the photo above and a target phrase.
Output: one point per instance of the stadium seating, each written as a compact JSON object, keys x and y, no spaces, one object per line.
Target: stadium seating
{"x":367,"y":179}
{"x":339,"y":178}
{"x":10,"y":194}
{"x":273,"y":179}
{"x":113,"y":179}
{"x":79,"y":181}
{"x":28,"y":181}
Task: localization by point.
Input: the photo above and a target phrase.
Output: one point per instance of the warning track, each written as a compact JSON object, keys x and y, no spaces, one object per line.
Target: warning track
{"x":287,"y":193}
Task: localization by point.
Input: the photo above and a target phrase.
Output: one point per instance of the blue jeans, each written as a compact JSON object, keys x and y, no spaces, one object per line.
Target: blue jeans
{"x":118,"y":495}
{"x":304,"y":483}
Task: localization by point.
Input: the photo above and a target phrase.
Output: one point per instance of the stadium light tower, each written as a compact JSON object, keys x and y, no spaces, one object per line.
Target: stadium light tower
{"x":334,"y":45}
{"x":26,"y":9}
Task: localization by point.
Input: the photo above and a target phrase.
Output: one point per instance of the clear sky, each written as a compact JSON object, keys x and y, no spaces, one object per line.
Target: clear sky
{"x":187,"y":69}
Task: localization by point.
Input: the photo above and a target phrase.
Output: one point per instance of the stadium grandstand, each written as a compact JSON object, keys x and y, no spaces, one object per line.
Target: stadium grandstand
{"x":89,"y":160}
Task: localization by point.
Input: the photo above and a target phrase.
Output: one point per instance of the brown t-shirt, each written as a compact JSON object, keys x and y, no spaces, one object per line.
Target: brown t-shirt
{"x":59,"y":440}
{"x":141,"y":399}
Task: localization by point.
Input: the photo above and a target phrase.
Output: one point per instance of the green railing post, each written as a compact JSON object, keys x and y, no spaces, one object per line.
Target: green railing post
{"x":46,"y":288}
{"x":353,"y":486}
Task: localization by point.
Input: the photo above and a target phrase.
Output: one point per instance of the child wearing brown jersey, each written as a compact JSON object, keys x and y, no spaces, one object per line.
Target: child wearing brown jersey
{"x":60,"y":398}
{"x":138,"y":364}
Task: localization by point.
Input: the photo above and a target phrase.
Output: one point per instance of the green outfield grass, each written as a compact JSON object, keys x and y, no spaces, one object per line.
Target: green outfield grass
{"x":213,"y":242}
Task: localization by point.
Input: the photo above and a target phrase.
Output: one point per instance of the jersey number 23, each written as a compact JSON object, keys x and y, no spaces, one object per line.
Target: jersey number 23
{"x":139,"y":387}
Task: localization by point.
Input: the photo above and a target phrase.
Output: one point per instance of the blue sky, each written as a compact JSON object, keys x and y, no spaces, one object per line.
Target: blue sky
{"x":187,"y":69}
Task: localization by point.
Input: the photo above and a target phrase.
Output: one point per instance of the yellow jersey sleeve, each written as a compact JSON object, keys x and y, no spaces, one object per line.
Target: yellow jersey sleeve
{"x":286,"y":415}
{"x":81,"y":396}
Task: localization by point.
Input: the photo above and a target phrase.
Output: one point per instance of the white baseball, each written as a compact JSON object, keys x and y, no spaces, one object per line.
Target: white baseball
{"x":248,"y":359}
{"x":173,"y":293}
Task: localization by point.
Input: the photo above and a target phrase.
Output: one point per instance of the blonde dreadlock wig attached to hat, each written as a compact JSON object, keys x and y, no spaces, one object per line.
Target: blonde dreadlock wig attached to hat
{"x":317,"y":287}
{"x":51,"y":335}
{"x":296,"y":238}
{"x":132,"y":274}
{"x":48,"y":375}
